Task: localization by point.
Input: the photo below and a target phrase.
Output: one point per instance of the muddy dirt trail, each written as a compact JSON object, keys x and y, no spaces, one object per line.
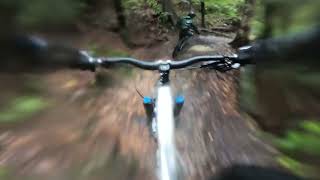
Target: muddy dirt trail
{"x":213,"y":133}
{"x":99,"y":132}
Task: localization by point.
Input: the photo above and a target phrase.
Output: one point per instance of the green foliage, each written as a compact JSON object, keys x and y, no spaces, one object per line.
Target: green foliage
{"x":302,"y":15}
{"x":257,"y":24}
{"x":295,"y":166}
{"x":312,"y":127}
{"x":304,"y":142}
{"x":132,"y":4}
{"x":297,"y":16}
{"x":218,"y":11}
{"x":5,"y":174}
{"x":155,"y":6}
{"x":21,"y":108}
{"x":221,"y":11}
{"x":41,"y":13}
{"x":228,"y":8}
{"x":136,"y":4}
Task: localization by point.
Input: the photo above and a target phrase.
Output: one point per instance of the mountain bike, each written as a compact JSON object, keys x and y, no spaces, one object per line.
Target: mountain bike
{"x":181,"y":44}
{"x":162,"y":109}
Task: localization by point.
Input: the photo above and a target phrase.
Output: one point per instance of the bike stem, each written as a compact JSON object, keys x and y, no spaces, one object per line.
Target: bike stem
{"x":164,"y":70}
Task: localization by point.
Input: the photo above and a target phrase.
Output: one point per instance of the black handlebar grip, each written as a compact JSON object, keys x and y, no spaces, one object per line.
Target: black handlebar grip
{"x":245,"y":55}
{"x":296,"y":48}
{"x":84,"y":62}
{"x":57,"y":56}
{"x":31,"y":54}
{"x":22,"y":53}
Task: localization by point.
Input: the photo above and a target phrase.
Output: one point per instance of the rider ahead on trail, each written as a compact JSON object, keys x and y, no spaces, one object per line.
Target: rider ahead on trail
{"x":186,"y":26}
{"x":186,"y":30}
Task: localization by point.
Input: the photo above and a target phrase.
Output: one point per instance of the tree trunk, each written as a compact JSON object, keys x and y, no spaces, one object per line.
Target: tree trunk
{"x":242,"y":36}
{"x":122,"y":25}
{"x":168,"y":8}
{"x":270,"y":8}
{"x":120,"y":14}
{"x":190,"y":5}
{"x":96,"y":5}
{"x":203,"y":13}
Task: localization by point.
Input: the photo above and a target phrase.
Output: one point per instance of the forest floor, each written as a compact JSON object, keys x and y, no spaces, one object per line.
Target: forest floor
{"x":93,"y":130}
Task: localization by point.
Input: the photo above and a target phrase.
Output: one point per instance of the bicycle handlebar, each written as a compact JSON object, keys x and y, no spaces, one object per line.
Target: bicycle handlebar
{"x":156,"y":65}
{"x":47,"y":56}
{"x":42,"y":55}
{"x":105,"y":62}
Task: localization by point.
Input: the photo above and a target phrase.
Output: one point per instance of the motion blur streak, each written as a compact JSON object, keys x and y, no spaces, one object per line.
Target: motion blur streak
{"x":167,"y":150}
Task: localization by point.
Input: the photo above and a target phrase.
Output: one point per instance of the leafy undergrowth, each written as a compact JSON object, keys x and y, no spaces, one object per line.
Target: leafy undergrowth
{"x":22,"y":108}
{"x":5,"y":173}
{"x":221,"y":11}
{"x":301,"y":149}
{"x":298,"y":16}
{"x":217,"y":11}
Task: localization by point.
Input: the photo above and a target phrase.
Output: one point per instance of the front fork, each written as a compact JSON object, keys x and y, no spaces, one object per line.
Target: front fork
{"x":149,"y":106}
{"x":179,"y":101}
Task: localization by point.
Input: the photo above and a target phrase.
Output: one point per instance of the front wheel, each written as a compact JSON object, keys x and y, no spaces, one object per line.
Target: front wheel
{"x":165,"y":125}
{"x":153,"y":128}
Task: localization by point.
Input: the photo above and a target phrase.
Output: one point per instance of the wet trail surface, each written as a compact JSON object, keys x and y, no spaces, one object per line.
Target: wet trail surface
{"x":213,"y":134}
{"x":99,"y":132}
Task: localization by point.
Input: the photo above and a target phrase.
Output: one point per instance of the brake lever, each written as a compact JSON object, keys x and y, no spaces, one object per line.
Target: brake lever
{"x":223,"y":66}
{"x":219,"y":66}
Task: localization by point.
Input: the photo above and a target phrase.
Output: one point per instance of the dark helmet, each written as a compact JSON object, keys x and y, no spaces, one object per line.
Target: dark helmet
{"x":192,"y":14}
